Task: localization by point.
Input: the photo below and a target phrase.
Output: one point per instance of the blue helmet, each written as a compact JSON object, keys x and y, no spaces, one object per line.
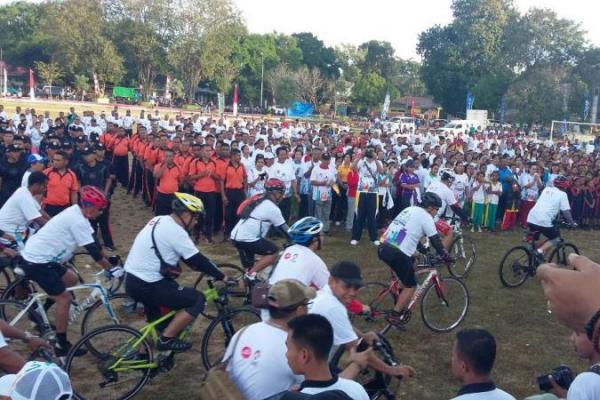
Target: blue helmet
{"x":305,"y":230}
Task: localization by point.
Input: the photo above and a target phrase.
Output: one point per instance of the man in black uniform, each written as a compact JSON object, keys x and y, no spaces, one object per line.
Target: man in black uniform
{"x":97,"y":174}
{"x":12,"y":169}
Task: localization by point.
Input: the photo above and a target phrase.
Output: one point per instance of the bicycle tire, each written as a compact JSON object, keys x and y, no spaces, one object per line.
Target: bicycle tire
{"x":380,"y":299}
{"x":465,"y":257}
{"x":221,"y":331}
{"x":20,"y":289}
{"x":237,"y":295}
{"x":559,"y":255}
{"x":5,"y":279}
{"x":121,"y":305}
{"x":448,"y":297}
{"x":82,"y":369}
{"x":515,"y":267}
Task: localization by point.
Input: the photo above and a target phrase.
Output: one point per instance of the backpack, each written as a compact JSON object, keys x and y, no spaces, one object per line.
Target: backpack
{"x":245,"y":209}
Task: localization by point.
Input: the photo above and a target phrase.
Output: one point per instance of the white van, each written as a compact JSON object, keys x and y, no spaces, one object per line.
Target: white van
{"x":457,"y":126}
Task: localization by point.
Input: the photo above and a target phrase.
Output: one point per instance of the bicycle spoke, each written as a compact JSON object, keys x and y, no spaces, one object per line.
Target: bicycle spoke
{"x":376,"y":296}
{"x":444,"y":307}
{"x":515,"y":267}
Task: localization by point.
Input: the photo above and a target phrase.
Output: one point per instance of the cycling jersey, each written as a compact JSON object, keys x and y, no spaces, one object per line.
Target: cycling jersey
{"x":301,"y":263}
{"x":546,"y":209}
{"x":18,"y":211}
{"x":445,"y":193}
{"x":57,"y":240}
{"x":173,"y":243}
{"x":257,"y":225}
{"x":408,"y":228}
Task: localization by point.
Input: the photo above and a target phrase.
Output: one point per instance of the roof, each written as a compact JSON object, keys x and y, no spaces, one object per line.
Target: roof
{"x":420,"y":102}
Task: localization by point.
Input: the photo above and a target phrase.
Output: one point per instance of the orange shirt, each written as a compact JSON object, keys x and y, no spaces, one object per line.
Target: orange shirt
{"x":60,"y":187}
{"x":120,"y":146}
{"x":106,"y":139}
{"x":221,"y":165}
{"x":140,"y":149}
{"x":168,"y":182}
{"x":151,"y":155}
{"x":183,"y":161}
{"x":234,"y":176}
{"x":205,"y":183}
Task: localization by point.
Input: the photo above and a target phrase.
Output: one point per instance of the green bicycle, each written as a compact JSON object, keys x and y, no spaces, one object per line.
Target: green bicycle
{"x":122,"y":359}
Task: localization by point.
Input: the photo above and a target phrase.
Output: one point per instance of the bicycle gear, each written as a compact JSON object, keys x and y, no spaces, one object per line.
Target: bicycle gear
{"x":399,"y":319}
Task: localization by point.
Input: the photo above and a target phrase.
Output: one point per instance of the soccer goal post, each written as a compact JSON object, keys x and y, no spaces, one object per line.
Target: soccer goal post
{"x":585,"y":130}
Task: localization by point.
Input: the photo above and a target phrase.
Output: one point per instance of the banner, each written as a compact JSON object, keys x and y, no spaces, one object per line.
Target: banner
{"x":221,"y":102}
{"x":502,"y":110}
{"x":586,"y":108}
{"x":470,"y":100}
{"x":125,"y":92}
{"x":31,"y":85}
{"x":386,"y":105}
{"x":96,"y":85}
{"x":299,"y":109}
{"x":167,"y":88}
{"x":235,"y":100}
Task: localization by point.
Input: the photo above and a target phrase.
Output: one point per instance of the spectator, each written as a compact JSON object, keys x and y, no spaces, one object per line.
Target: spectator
{"x":36,"y":381}
{"x":366,"y":198}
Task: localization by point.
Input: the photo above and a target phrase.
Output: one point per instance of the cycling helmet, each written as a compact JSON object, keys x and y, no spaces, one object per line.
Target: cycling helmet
{"x":431,"y":199}
{"x":187,"y":202}
{"x":275,"y":185}
{"x":446,"y":175}
{"x":561,"y":182}
{"x":92,"y":196}
{"x":304,"y":230}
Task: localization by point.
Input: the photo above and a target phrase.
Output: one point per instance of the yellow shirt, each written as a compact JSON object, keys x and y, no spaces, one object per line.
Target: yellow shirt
{"x":343,"y":172}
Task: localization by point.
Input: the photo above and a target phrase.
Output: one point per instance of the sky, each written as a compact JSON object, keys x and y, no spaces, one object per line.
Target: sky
{"x":396,"y":21}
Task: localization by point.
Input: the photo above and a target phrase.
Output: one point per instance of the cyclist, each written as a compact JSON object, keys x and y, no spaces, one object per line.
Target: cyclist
{"x":46,"y":252}
{"x":551,"y":202}
{"x":446,"y":195}
{"x":10,"y":361}
{"x":402,"y":239}
{"x":152,"y":266}
{"x":248,"y":235}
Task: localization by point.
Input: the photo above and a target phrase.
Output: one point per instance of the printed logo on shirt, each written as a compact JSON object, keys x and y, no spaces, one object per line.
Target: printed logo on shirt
{"x":246,"y":352}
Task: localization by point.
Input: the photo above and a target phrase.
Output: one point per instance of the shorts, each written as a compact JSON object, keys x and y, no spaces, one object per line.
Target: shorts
{"x":47,"y":276}
{"x":164,"y":293}
{"x":400,"y":263}
{"x":248,"y":250}
{"x":551,"y":232}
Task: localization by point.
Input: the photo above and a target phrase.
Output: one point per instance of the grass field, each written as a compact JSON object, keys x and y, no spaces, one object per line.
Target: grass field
{"x":529,"y":340}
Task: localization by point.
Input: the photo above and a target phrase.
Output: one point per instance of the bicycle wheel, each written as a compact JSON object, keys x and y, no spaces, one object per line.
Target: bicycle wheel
{"x":444,"y":307}
{"x":237,"y":295}
{"x":5,"y":278}
{"x":221,"y":330}
{"x":513,"y":266}
{"x":118,"y":371}
{"x":380,"y":299}
{"x":559,"y":255}
{"x":20,"y":289}
{"x":124,"y":308}
{"x":463,"y":250}
{"x":29,"y":321}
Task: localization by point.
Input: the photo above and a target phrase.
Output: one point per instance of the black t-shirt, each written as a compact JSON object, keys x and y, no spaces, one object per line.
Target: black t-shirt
{"x":12,"y":174}
{"x":95,"y":176}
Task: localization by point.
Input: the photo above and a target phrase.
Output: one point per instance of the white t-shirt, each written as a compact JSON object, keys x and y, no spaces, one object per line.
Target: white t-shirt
{"x":586,"y":386}
{"x":445,"y":193}
{"x":547,"y":207}
{"x":258,"y":365}
{"x":2,"y":341}
{"x":18,"y":211}
{"x":496,"y":394}
{"x":59,"y":238}
{"x":301,"y":263}
{"x":327,"y":305}
{"x":407,"y":229}
{"x":173,"y":243}
{"x":257,"y":225}
{"x":25,"y":179}
{"x":353,"y":389}
{"x":367,"y":174}
{"x":285,"y":172}
{"x":259,"y":186}
{"x":493,"y":187}
{"x":322,"y":193}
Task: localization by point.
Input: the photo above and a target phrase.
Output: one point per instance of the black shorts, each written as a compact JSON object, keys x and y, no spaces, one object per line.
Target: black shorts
{"x":248,"y":250}
{"x":550,"y":233}
{"x":48,"y":276}
{"x":400,"y":263}
{"x":164,"y":293}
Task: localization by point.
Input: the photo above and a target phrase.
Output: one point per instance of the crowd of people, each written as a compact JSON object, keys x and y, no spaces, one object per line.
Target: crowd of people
{"x":251,"y":179}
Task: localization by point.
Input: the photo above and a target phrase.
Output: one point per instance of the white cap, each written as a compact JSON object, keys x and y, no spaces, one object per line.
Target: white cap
{"x":269,"y":156}
{"x":37,"y":381}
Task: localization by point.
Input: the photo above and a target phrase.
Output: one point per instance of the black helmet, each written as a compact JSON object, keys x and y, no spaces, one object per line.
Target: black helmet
{"x":446,"y":175}
{"x":431,"y":199}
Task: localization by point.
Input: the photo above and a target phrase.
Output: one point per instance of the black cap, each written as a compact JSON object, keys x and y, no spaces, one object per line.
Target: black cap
{"x":87,"y":150}
{"x":100,"y":146}
{"x":21,"y":127}
{"x":66,"y":145}
{"x":80,"y":139}
{"x":348,"y":272}
{"x":14,"y":147}
{"x":54,"y":145}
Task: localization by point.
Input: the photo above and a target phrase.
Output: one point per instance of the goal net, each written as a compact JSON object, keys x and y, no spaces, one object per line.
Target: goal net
{"x":584,"y":131}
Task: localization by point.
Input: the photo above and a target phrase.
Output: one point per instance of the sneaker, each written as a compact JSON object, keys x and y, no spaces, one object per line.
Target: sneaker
{"x":472,"y":229}
{"x":479,"y":230}
{"x":61,"y":350}
{"x":354,"y":242}
{"x":173,"y":344}
{"x":376,"y":243}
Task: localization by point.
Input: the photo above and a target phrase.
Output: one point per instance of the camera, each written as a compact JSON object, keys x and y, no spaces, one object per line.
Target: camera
{"x":562,"y":375}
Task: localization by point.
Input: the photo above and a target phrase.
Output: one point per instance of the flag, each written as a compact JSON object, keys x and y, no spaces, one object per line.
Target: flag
{"x":586,"y":108}
{"x":413,"y":108}
{"x":31,"y":84}
{"x":386,"y":105}
{"x":470,"y":100}
{"x":502,"y":109}
{"x":5,"y":82}
{"x":167,"y":88}
{"x":96,"y":85}
{"x":235,"y":100}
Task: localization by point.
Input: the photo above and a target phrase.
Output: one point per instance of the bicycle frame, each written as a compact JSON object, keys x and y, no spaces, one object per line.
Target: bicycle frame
{"x":433,"y":277}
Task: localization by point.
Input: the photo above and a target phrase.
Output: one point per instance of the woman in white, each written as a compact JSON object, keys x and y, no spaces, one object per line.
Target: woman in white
{"x":257,"y":176}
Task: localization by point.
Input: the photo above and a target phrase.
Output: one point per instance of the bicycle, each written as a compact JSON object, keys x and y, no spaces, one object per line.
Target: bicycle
{"x":122,"y":360}
{"x":462,"y":249}
{"x":240,"y":292}
{"x":519,"y":263}
{"x":444,"y":301}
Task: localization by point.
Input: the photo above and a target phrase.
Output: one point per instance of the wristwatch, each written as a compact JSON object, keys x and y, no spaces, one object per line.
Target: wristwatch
{"x":589,"y":327}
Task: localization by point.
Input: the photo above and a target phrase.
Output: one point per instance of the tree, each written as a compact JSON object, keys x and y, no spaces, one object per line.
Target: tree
{"x":379,"y":58}
{"x":588,"y":67}
{"x":369,"y":90}
{"x":311,"y":86}
{"x":282,"y":84}
{"x":316,"y":55}
{"x":48,"y":72}
{"x":82,"y":84}
{"x":21,"y":40}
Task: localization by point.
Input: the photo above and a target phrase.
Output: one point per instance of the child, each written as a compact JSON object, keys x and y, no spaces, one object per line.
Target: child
{"x":589,"y":203}
{"x":511,"y":205}
{"x":352,"y":181}
{"x":36,"y":163}
{"x":494,"y":191}
{"x":478,"y":190}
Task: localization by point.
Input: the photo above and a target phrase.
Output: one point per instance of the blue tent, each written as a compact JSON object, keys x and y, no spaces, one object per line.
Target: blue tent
{"x":299,"y":109}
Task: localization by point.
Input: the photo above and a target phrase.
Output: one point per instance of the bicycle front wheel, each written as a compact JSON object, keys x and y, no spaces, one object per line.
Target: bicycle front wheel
{"x":221,"y":330}
{"x":513,"y":267}
{"x":117,"y":371}
{"x":444,"y":307}
{"x":561,"y":253}
{"x":463,"y":250}
{"x":380,"y":300}
{"x":237,"y":295}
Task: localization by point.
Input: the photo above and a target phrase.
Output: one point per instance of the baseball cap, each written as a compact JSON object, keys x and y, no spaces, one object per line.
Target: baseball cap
{"x":14,"y":147}
{"x":87,"y":150}
{"x":348,"y":272}
{"x":35,"y":158}
{"x":290,"y":292}
{"x":100,"y":146}
{"x":37,"y":381}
